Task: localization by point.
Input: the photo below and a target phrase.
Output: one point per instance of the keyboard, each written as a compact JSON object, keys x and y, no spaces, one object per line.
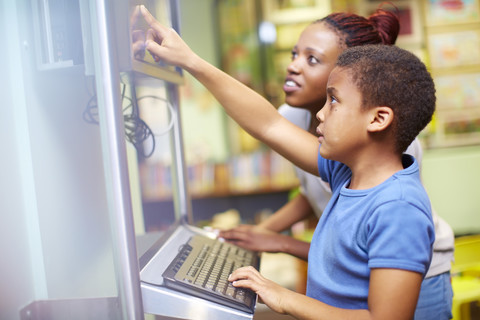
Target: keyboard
{"x":201,"y":269}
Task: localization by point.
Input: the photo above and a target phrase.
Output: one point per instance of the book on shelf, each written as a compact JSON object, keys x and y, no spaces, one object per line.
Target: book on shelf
{"x":260,"y":171}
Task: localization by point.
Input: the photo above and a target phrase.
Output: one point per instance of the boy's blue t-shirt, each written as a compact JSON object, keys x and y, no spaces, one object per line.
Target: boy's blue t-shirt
{"x":387,"y":226}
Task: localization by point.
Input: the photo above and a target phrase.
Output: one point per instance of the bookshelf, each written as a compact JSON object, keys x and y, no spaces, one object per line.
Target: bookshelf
{"x":249,"y":183}
{"x":258,"y":172}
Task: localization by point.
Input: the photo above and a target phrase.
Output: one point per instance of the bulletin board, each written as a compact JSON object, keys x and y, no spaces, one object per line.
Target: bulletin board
{"x":440,"y":12}
{"x":452,"y":33}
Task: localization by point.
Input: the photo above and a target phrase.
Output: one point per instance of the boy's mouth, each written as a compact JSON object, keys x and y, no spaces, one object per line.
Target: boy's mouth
{"x":319,"y":132}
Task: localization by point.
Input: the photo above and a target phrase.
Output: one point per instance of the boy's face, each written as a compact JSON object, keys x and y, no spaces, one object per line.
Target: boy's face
{"x":313,"y":57}
{"x":343,"y":122}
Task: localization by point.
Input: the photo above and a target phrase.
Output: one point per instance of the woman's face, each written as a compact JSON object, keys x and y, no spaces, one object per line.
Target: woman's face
{"x":313,"y":58}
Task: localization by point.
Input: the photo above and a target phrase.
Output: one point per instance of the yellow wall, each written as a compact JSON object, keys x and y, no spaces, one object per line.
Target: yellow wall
{"x":451,"y":177}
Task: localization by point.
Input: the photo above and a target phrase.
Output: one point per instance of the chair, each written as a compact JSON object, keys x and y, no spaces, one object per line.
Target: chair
{"x":465,"y":276}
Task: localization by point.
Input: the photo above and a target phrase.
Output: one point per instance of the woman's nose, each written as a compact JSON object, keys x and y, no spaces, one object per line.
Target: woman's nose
{"x":293,"y":66}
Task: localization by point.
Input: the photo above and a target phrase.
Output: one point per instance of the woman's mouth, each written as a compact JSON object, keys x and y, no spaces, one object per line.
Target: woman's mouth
{"x":290,"y":86}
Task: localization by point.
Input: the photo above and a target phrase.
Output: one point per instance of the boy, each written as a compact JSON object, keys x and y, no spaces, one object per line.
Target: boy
{"x":373,"y":244}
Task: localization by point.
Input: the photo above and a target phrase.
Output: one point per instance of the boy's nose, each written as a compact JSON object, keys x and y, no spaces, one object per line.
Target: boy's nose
{"x":321,"y":114}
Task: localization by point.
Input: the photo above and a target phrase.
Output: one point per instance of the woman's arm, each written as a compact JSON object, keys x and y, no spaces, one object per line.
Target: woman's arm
{"x":249,"y":109}
{"x":393,"y":295}
{"x":292,"y":212}
{"x":265,"y":237}
{"x":262,"y":240}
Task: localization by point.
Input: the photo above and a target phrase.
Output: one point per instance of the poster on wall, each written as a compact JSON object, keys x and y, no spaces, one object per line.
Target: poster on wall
{"x":453,"y":49}
{"x":458,"y":109}
{"x":459,"y":91}
{"x":440,"y":12}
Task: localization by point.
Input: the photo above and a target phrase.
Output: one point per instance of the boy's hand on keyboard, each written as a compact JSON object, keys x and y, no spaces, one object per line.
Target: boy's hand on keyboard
{"x":254,"y":238}
{"x":269,"y":293}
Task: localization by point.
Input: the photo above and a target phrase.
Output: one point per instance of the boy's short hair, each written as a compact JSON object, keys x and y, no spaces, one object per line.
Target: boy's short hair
{"x":393,"y":77}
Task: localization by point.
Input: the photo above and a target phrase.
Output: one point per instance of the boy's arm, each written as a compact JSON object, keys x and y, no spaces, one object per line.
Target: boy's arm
{"x":393,"y":295}
{"x":249,"y":109}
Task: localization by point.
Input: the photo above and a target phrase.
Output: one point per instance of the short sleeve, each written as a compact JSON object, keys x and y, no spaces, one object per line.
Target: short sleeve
{"x":400,"y":236}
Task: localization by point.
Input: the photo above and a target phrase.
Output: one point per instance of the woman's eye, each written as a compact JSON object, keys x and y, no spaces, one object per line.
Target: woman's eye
{"x":294,"y":55}
{"x":312,"y":60}
{"x":333,"y":100}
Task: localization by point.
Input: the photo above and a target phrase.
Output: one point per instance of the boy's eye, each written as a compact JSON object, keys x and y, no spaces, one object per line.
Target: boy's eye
{"x":333,"y":99}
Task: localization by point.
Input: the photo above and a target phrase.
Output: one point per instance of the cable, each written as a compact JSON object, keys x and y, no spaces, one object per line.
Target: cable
{"x":137,"y":131}
{"x":170,"y":112}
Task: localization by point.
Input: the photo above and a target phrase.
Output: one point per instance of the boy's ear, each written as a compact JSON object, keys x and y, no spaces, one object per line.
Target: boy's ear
{"x":381,"y":118}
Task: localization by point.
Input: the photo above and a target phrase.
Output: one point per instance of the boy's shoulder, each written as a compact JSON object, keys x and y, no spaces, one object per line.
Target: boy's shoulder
{"x":406,"y":180}
{"x":405,"y":186}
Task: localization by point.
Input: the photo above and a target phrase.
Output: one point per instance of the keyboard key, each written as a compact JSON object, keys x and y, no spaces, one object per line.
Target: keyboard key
{"x":230,"y":291}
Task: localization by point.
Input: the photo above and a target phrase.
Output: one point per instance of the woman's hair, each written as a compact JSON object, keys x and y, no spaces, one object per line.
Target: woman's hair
{"x":382,"y":27}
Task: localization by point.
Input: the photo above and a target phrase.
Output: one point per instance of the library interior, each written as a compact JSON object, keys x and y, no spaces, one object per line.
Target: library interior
{"x":88,"y":191}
